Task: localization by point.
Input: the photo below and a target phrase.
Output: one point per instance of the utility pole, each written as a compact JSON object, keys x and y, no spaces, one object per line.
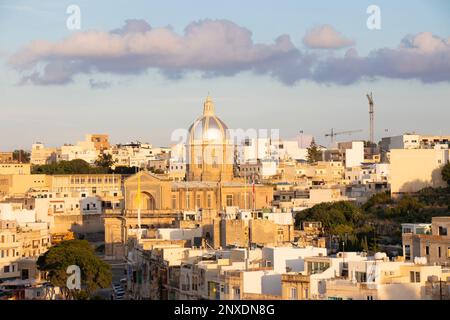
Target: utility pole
{"x":343,"y":257}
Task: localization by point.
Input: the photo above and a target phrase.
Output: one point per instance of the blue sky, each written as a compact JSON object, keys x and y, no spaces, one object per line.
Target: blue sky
{"x":148,"y":106}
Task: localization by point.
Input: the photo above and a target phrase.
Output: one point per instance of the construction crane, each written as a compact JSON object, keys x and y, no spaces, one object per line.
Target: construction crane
{"x":333,"y":134}
{"x":371,"y":116}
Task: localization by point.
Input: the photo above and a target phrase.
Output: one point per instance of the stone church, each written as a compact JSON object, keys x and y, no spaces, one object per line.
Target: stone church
{"x":208,"y":189}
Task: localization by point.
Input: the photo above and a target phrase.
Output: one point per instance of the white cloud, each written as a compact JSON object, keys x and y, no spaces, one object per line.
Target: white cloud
{"x":222,"y":48}
{"x":214,"y":47}
{"x":326,"y":37}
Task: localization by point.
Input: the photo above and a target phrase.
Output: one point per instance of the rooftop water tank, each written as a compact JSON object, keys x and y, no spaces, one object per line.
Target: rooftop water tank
{"x":420,"y":260}
{"x":380,"y":256}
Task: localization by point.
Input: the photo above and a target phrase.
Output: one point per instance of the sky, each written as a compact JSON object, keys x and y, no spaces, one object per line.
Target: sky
{"x":140,"y":70}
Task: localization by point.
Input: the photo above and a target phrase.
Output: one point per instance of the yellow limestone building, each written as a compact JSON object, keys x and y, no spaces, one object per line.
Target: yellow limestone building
{"x":209,"y":188}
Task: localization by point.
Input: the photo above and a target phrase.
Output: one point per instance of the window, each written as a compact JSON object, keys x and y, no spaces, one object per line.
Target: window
{"x":229,"y":200}
{"x":407,"y":252}
{"x":209,"y":201}
{"x":25,"y":274}
{"x":188,"y":201}
{"x":361,"y":276}
{"x":198,"y":201}
{"x":442,"y":231}
{"x":427,"y":250}
{"x":414,"y":276}
{"x":293,"y":294}
{"x":5,"y":269}
{"x":174,"y":201}
{"x":439,"y":252}
{"x":407,"y":230}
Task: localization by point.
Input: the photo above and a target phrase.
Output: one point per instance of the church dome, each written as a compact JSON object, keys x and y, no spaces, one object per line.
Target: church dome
{"x":208,"y":128}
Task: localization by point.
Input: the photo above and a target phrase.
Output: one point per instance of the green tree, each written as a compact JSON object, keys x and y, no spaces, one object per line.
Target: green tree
{"x":156,"y":170}
{"x":341,"y":216}
{"x":21,"y":156}
{"x":314,"y":154}
{"x":381,"y":198}
{"x":125,"y":170}
{"x":105,"y":160}
{"x":76,"y":166}
{"x":446,"y":173}
{"x":95,"y":273}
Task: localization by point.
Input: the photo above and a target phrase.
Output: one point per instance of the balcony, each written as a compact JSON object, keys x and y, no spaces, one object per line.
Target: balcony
{"x":153,"y":213}
{"x":9,"y":245}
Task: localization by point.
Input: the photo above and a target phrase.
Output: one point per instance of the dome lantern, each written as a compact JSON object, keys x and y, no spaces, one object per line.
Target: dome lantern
{"x":208,"y":107}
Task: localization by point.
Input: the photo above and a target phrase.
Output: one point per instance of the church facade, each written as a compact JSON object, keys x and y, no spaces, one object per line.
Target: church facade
{"x":209,"y":188}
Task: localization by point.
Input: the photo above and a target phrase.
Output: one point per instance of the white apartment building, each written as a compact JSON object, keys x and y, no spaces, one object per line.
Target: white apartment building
{"x":258,"y":169}
{"x":135,"y":154}
{"x":20,"y":240}
{"x":84,"y":150}
{"x":354,"y":154}
{"x":287,"y":259}
{"x":317,"y":270}
{"x":377,"y":278}
{"x":276,"y":149}
{"x":412,"y":141}
{"x":368,"y":173}
{"x":41,"y":155}
{"x":405,"y":141}
{"x":10,"y":250}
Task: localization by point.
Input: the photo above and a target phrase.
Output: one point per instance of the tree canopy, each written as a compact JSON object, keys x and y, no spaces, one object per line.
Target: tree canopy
{"x":379,"y":219}
{"x":336,"y":217}
{"x":76,"y":166}
{"x":21,"y":156}
{"x":105,"y":160}
{"x":156,"y":170}
{"x":95,"y":273}
{"x":125,"y":170}
{"x":446,"y":173}
{"x":314,"y":154}
{"x":79,"y":166}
